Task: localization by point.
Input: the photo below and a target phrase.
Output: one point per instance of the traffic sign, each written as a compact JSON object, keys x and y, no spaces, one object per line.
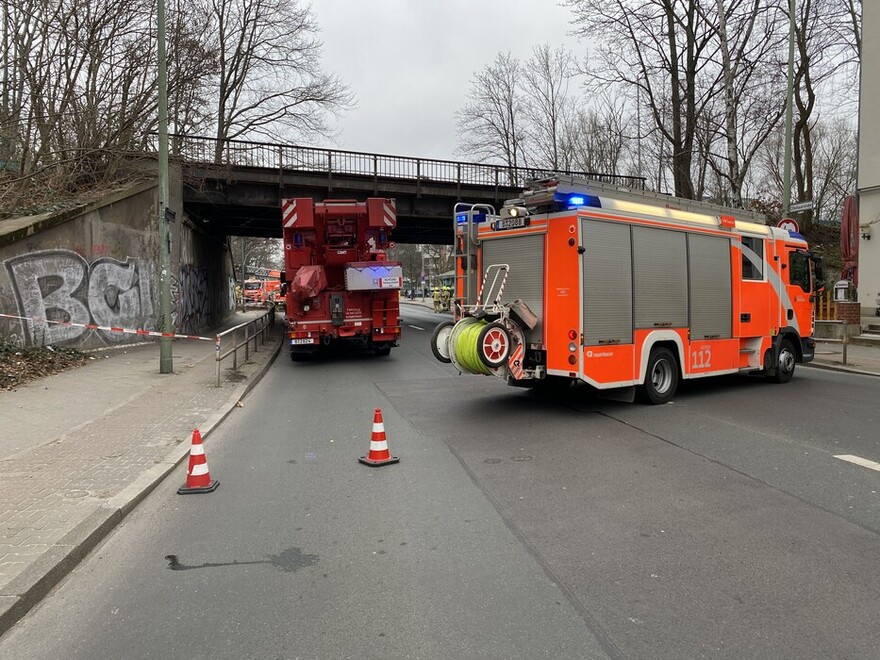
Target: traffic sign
{"x":801,"y":206}
{"x":789,"y":225}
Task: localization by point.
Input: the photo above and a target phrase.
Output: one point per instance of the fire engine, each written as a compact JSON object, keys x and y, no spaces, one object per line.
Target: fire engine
{"x":626,"y":291}
{"x":260,"y":292}
{"x":339,"y":285}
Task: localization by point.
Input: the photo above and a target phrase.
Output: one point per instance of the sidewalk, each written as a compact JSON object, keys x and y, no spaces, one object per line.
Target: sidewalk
{"x":80,"y":449}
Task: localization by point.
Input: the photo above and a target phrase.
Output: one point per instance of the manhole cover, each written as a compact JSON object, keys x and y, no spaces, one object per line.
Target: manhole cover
{"x":492,"y":461}
{"x":520,"y":459}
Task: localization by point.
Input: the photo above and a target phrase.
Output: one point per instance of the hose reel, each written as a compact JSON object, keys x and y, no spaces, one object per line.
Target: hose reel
{"x":477,"y":346}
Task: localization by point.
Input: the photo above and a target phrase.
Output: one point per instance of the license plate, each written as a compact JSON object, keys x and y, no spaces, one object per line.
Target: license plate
{"x":294,"y":342}
{"x":511,"y":223}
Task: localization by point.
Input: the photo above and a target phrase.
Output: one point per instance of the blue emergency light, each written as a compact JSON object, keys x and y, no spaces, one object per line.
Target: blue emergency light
{"x":476,"y":218}
{"x":576,"y":199}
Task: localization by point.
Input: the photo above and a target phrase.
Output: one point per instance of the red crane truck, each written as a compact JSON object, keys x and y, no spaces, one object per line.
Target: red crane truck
{"x":339,"y":286}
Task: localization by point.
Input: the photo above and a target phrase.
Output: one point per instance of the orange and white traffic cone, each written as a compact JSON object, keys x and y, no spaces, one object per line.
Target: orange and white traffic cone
{"x":378,"y":454}
{"x":198,"y":479}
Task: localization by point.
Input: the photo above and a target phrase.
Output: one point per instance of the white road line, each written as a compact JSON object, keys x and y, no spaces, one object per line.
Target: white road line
{"x":415,"y":327}
{"x":858,"y":460}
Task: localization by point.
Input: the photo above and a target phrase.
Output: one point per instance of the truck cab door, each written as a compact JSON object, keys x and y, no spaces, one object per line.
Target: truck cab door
{"x":798,"y":281}
{"x":754,"y":313}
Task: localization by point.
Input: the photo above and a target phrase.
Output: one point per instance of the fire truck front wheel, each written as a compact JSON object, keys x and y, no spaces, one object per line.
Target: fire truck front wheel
{"x":785,"y":362}
{"x":661,"y":378}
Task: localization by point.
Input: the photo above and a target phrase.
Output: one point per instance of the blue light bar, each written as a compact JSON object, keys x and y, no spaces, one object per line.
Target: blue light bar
{"x":461,"y":218}
{"x":575,"y":200}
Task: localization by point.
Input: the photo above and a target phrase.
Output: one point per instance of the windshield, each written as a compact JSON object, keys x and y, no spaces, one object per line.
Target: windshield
{"x":251,"y":286}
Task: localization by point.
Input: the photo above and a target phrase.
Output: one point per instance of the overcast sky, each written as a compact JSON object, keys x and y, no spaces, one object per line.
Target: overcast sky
{"x":410,"y":62}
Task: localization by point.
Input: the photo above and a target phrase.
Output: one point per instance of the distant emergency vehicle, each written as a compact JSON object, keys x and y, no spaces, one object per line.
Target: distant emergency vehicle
{"x":626,"y":291}
{"x":260,"y":292}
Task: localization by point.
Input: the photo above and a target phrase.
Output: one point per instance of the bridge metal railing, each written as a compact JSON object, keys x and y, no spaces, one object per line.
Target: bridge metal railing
{"x":240,"y":337}
{"x":333,"y":161}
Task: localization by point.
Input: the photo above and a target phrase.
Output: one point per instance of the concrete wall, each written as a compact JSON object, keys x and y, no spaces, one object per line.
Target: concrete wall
{"x":869,"y":158}
{"x":98,"y":265}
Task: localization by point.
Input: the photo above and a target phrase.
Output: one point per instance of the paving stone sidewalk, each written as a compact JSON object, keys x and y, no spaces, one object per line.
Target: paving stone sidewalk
{"x":59,"y":496}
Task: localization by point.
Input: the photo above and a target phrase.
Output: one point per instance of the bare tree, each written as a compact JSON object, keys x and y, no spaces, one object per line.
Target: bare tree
{"x":79,"y":83}
{"x":249,"y":253}
{"x":834,"y":170}
{"x":410,"y":257}
{"x":661,"y":47}
{"x":269,"y":82}
{"x":595,"y":139}
{"x":820,"y":61}
{"x":191,"y":69}
{"x":546,"y":79}
{"x":749,"y":33}
{"x":492,"y":124}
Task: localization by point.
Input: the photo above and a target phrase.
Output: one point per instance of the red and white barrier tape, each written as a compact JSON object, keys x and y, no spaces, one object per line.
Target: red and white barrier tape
{"x":127,"y":331}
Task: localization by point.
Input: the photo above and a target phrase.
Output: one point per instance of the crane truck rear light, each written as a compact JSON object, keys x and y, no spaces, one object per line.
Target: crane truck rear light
{"x":299,"y":335}
{"x":297,"y":240}
{"x":572,"y":334}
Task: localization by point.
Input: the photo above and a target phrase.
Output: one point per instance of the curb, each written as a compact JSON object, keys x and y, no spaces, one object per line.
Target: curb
{"x":840,"y":368}
{"x":30,"y":586}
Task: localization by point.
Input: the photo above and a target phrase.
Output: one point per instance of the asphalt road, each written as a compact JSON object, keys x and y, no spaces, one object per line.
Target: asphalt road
{"x":515,"y":526}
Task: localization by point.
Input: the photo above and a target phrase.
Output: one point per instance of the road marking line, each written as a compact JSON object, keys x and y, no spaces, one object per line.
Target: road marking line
{"x":415,"y":327}
{"x":858,"y":460}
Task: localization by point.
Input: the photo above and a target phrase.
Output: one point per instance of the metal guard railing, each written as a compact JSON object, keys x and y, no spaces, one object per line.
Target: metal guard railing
{"x":254,"y":329}
{"x":333,"y":161}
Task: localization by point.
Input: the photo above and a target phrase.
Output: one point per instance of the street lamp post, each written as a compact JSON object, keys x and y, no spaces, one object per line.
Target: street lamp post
{"x":786,"y":177}
{"x":166,"y":363}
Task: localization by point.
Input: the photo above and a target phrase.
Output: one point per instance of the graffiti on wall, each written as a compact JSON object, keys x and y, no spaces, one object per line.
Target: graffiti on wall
{"x":230,"y":295}
{"x":60,"y":285}
{"x":192,"y":299}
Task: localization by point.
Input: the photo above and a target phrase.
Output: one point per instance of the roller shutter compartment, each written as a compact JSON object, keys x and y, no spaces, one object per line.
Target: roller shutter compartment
{"x":710,"y":286}
{"x":660,"y":278}
{"x":525,"y":281}
{"x":607,"y":283}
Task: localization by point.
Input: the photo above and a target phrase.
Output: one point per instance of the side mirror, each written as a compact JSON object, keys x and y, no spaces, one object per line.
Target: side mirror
{"x":818,"y":273}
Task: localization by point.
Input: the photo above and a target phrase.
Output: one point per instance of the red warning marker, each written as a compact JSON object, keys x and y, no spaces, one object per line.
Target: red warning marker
{"x":378,"y":454}
{"x":198,"y":479}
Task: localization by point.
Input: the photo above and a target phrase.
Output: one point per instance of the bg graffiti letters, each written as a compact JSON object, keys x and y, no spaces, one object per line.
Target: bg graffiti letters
{"x":59,"y":285}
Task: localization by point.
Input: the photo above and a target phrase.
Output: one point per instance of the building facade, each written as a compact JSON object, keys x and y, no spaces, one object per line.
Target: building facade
{"x":869,"y":159}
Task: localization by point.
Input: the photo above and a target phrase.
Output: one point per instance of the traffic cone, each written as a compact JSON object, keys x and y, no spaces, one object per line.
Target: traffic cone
{"x":378,"y":454}
{"x":198,"y":479}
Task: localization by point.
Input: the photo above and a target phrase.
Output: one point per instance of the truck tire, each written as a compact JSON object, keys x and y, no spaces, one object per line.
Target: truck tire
{"x":785,"y":363}
{"x":440,"y":341}
{"x":661,"y":377}
{"x":382,"y":351}
{"x":493,"y":345}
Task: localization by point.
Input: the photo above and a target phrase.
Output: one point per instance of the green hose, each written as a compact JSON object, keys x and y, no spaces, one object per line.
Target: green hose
{"x":466,"y":349}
